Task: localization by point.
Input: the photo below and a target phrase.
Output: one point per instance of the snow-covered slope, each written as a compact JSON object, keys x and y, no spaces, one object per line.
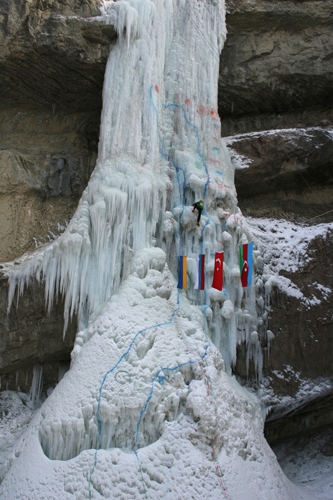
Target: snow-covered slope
{"x":147,"y":408}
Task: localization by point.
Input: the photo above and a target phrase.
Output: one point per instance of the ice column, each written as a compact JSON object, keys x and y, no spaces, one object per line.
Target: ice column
{"x":160,"y":149}
{"x":119,"y":209}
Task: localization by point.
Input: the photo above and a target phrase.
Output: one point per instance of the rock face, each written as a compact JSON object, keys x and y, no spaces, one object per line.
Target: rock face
{"x":304,"y":330}
{"x":276,"y":80}
{"x":302,"y":349}
{"x":288,"y":173}
{"x":53,"y":54}
{"x":32,"y":338}
{"x":277,"y":66}
{"x":277,"y":73}
{"x":52,"y":60}
{"x":275,"y":102}
{"x":298,"y":364}
{"x":45,"y":163}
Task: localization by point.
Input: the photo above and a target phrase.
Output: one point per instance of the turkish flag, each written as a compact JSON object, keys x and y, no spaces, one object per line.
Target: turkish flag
{"x":218,"y":271}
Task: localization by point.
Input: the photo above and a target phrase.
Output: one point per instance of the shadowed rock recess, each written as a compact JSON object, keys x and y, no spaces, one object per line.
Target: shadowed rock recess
{"x":276,"y":107}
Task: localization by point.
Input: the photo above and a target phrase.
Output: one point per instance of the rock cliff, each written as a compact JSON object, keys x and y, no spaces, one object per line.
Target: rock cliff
{"x":276,"y":106}
{"x":276,"y":81}
{"x":52,"y":61}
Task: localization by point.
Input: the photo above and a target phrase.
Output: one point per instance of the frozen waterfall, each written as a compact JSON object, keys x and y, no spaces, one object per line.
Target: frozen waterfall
{"x":148,"y":409}
{"x":160,"y":149}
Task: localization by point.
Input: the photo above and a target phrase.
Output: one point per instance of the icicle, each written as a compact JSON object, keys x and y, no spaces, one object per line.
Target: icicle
{"x":36,"y":386}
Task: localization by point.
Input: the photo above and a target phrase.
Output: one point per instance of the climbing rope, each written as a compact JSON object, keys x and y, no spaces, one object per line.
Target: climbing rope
{"x":208,"y":384}
{"x":141,"y":473}
{"x":320,"y":215}
{"x":177,"y":167}
{"x":161,"y":374}
{"x":111,"y":370}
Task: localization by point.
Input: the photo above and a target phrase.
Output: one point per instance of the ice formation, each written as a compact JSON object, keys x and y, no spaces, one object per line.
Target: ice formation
{"x":147,"y":408}
{"x":160,"y":149}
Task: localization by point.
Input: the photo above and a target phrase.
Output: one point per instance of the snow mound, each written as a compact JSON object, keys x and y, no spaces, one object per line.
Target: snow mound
{"x":147,"y":398}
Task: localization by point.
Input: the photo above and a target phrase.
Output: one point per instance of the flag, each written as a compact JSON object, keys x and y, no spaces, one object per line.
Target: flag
{"x":200,"y":275}
{"x":245,"y":263}
{"x":182,"y":272}
{"x":218,"y":271}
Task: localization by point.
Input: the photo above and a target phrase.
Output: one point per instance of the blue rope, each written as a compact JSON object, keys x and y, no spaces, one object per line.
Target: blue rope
{"x":161,"y":379}
{"x":140,"y":332}
{"x":179,"y":106}
{"x":142,"y":478}
{"x":175,"y":166}
{"x":198,"y":149}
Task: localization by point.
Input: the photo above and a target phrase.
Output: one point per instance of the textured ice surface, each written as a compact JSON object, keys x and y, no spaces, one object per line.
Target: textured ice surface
{"x":146,"y":410}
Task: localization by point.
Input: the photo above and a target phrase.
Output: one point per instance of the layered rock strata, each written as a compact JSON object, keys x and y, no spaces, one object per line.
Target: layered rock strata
{"x":52,"y":60}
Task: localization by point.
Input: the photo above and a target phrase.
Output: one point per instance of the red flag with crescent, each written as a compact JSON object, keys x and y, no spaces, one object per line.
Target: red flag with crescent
{"x":218,"y":271}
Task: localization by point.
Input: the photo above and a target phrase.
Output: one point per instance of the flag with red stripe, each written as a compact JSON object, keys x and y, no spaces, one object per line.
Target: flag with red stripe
{"x":246,"y":263}
{"x":218,"y":271}
{"x":200,"y":274}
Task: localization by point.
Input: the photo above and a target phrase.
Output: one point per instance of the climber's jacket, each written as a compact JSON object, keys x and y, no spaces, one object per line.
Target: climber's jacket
{"x":198,"y":205}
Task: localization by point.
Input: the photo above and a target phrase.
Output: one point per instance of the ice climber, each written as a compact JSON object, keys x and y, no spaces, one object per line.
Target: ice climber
{"x":199,"y":206}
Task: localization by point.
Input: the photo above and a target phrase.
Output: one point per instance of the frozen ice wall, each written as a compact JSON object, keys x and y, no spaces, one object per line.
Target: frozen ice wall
{"x":179,"y":90}
{"x":160,"y":150}
{"x":119,"y":210}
